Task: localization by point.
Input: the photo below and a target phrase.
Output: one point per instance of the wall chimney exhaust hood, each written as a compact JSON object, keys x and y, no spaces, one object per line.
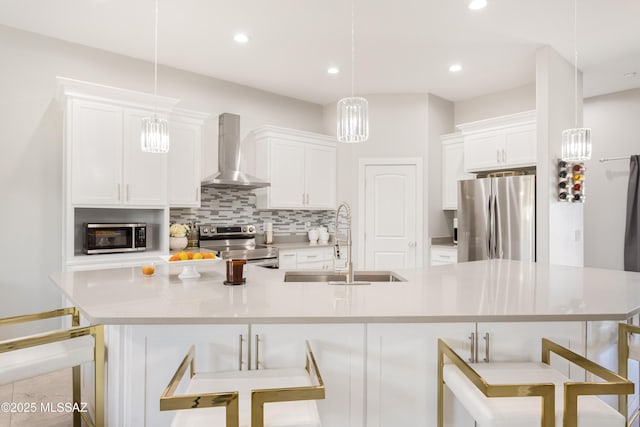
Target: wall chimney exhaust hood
{"x":229,"y":175}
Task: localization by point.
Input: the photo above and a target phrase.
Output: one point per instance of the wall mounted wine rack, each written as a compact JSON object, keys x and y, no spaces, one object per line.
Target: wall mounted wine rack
{"x":571,"y":181}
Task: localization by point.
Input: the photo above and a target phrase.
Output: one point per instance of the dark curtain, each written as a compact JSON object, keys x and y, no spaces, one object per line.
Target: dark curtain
{"x":632,"y":229}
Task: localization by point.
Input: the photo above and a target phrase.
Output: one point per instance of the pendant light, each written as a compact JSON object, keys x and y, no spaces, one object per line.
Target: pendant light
{"x":576,"y":142}
{"x":154,"y":137}
{"x":353,"y":112}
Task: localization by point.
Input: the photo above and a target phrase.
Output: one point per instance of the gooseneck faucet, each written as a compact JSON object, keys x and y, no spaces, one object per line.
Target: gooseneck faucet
{"x":347,"y":209}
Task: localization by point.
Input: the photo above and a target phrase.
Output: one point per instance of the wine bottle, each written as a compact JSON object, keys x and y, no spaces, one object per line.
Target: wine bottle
{"x":563,"y":196}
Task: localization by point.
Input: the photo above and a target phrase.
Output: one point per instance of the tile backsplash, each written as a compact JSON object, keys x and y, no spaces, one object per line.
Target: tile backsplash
{"x":230,"y":206}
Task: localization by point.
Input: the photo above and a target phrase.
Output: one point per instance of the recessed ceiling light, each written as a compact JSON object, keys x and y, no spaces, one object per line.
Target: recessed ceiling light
{"x":333,"y":70}
{"x":477,"y":4}
{"x":241,"y":38}
{"x":455,"y":68}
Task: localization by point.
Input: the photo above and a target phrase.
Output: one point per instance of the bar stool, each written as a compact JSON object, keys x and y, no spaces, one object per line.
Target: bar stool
{"x":478,"y":385}
{"x":34,"y":355}
{"x":291,"y":395}
{"x":628,"y":348}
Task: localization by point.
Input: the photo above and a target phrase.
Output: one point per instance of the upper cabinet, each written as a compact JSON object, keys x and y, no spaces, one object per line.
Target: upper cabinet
{"x":452,"y":169}
{"x":500,"y":143}
{"x":301,"y":167}
{"x":185,"y":129}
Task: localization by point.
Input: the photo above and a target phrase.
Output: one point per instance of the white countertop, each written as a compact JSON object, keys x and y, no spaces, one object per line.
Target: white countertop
{"x":302,"y":245}
{"x":496,"y":290}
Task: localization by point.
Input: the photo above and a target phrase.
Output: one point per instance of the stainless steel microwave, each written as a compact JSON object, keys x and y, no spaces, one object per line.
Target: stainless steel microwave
{"x":112,"y":238}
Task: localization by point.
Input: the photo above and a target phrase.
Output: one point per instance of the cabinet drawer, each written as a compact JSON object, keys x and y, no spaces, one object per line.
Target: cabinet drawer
{"x":312,"y":255}
{"x":287,"y":260}
{"x":443,"y":255}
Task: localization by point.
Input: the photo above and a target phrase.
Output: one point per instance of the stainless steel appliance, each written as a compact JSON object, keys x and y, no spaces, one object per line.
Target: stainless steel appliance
{"x":238,"y":242}
{"x":496,"y":218}
{"x":229,"y":174}
{"x":106,"y":238}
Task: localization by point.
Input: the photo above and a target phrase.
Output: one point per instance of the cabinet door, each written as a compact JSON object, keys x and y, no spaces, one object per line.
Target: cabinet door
{"x":483,"y":151}
{"x":339,"y":352}
{"x":287,"y":260}
{"x":96,"y":153}
{"x":184,"y":164}
{"x":402,"y":366}
{"x":520,"y":146}
{"x":522,"y":342}
{"x":441,"y":255}
{"x":287,"y":188}
{"x":320,"y":176}
{"x":150,"y":357}
{"x":452,"y":172}
{"x":145,"y":174}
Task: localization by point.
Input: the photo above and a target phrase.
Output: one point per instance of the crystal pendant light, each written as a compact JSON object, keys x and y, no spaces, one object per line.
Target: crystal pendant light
{"x":353,"y":112}
{"x":576,"y":142}
{"x":154,"y":136}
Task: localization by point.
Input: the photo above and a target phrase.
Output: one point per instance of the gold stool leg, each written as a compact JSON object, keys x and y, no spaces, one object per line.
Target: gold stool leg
{"x":77,"y":396}
{"x":99,"y":375}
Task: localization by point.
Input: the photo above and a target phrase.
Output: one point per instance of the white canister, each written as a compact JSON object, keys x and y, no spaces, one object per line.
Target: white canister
{"x":313,"y":235}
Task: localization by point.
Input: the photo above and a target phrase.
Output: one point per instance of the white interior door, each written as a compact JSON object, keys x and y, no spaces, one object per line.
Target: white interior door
{"x":391,"y":231}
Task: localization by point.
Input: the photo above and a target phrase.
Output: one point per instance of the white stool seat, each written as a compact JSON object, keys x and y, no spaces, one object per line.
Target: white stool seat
{"x":33,"y":361}
{"x":523,"y":411}
{"x":302,"y":413}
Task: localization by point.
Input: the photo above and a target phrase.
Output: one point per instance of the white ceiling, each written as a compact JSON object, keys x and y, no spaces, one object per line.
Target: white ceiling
{"x":402,"y":46}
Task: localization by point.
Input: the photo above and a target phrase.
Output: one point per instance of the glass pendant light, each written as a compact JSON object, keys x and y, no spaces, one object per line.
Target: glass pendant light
{"x":576,"y":142}
{"x":353,"y":112}
{"x":154,"y":136}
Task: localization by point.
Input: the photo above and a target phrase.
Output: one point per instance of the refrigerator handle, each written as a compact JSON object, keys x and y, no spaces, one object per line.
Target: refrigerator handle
{"x":494,"y":227}
{"x":490,"y":229}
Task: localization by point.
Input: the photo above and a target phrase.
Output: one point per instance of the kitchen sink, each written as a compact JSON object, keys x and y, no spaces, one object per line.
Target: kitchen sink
{"x":358,"y":276}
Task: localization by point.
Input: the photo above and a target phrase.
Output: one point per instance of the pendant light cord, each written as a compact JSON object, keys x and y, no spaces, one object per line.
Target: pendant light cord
{"x":155,"y":58}
{"x":575,"y":60}
{"x":353,"y":46}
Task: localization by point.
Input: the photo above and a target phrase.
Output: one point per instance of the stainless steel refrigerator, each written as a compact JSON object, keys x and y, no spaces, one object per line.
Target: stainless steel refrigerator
{"x":496,"y":218}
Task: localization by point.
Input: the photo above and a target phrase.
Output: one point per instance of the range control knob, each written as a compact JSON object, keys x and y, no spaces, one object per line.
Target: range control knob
{"x":244,"y":229}
{"x":251,"y":229}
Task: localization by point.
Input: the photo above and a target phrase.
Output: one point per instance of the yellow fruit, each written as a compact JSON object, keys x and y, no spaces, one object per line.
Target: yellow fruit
{"x":183,"y":256}
{"x":198,"y":256}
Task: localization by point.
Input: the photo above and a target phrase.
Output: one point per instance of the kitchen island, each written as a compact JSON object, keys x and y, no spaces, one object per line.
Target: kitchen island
{"x":376,"y":344}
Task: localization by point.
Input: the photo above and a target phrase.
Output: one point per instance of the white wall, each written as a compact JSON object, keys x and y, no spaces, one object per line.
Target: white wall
{"x":613,"y":119}
{"x":439,"y":122}
{"x":559,"y":225}
{"x":31,"y":124}
{"x":397,"y":128}
{"x":496,"y":104}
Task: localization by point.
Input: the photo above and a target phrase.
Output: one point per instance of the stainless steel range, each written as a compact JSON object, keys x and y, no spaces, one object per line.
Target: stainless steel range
{"x":238,"y":242}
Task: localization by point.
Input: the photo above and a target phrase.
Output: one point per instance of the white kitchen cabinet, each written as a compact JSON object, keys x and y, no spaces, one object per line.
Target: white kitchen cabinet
{"x":144,"y":367}
{"x":442,"y":255}
{"x":107,"y":165}
{"x":500,"y":143}
{"x":402,"y":366}
{"x":452,"y":169}
{"x":301,"y":167}
{"x":94,"y":133}
{"x":306,"y":259}
{"x":144,"y":181}
{"x":184,"y":175}
{"x":339,"y":352}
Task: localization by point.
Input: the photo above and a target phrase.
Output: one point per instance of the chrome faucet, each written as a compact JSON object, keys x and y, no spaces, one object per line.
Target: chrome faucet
{"x":336,"y":248}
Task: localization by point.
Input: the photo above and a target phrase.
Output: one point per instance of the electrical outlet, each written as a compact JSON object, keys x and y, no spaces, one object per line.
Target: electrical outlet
{"x":307,"y":224}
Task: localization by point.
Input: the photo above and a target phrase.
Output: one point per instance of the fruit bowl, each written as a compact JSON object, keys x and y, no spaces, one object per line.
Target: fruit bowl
{"x":189,"y":271}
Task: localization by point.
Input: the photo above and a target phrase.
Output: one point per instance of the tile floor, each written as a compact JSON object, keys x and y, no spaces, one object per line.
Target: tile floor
{"x":50,"y":388}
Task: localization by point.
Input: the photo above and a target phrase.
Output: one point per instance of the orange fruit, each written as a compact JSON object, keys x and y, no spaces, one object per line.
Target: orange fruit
{"x":148,"y":270}
{"x":190,"y":255}
{"x":174,"y":257}
{"x":208,"y":255}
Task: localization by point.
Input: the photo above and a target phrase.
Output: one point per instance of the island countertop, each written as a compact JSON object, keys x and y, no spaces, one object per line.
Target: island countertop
{"x":494,"y":290}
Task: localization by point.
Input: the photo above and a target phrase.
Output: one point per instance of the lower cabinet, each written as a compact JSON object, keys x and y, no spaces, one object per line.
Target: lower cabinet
{"x":377,"y":374}
{"x":402,"y":363}
{"x":339,"y":352}
{"x":306,"y":259}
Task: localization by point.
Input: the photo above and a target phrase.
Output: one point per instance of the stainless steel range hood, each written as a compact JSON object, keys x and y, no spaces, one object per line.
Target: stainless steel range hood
{"x":229,"y":175}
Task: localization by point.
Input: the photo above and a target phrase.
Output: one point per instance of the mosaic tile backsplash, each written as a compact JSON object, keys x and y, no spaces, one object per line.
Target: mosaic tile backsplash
{"x":230,"y":206}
